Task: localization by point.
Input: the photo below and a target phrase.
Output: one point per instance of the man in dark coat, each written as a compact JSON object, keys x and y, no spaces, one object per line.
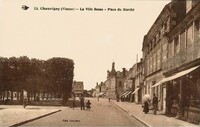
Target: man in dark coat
{"x":155,"y":104}
{"x":146,"y":107}
{"x":82,"y":103}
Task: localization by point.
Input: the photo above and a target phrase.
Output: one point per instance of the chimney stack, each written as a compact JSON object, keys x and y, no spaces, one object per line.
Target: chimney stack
{"x":124,"y":72}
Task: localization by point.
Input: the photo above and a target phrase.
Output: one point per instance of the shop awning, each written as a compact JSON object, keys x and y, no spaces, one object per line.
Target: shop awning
{"x":124,"y":93}
{"x":175,"y":76}
{"x":100,"y":94}
{"x":135,"y":90}
{"x":129,"y":92}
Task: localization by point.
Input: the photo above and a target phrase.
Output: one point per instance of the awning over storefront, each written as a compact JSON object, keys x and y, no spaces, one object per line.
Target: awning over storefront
{"x":129,"y":92}
{"x":175,"y":76}
{"x":135,"y":90}
{"x":124,"y":93}
{"x":100,"y":94}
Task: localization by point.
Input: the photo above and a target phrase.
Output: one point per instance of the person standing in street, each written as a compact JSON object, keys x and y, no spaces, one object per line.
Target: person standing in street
{"x":146,"y":107}
{"x":155,"y":104}
{"x":82,"y":103}
{"x":74,"y":103}
{"x":25,"y":102}
{"x":88,"y":105}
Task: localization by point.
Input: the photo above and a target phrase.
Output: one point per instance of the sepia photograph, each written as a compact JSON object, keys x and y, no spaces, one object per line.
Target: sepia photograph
{"x":100,"y":63}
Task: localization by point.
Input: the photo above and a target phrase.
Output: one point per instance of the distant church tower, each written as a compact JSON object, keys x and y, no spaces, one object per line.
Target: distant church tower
{"x":112,"y":72}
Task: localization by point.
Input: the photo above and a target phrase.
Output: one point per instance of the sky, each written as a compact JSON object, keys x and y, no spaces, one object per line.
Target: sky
{"x":93,"y":39}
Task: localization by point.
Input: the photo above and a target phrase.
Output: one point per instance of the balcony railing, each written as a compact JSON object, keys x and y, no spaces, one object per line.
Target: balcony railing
{"x":182,"y":57}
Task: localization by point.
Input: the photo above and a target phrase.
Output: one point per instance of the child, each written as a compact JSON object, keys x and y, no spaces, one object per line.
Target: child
{"x":88,"y":105}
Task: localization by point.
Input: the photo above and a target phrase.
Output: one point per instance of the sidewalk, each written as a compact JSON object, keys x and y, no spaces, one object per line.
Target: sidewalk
{"x":14,"y":115}
{"x":149,"y":119}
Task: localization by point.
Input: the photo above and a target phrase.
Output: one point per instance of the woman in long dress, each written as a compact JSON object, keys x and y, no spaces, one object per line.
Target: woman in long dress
{"x":146,"y":107}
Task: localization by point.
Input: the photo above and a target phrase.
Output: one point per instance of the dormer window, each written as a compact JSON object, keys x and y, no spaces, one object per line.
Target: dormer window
{"x":188,"y":5}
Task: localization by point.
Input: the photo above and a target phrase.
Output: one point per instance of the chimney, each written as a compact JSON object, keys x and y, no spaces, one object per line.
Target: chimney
{"x":113,"y":66}
{"x":124,"y":72}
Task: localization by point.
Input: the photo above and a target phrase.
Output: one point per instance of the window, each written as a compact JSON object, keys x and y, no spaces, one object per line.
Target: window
{"x":164,"y":52}
{"x":176,"y":45}
{"x":150,"y":46}
{"x":171,"y":49}
{"x":151,"y":65}
{"x":190,"y":35}
{"x":182,"y":41}
{"x":190,"y":42}
{"x":167,"y":25}
{"x":158,"y":59}
{"x":196,"y":30}
{"x":147,"y":65}
{"x":188,"y":5}
{"x":154,"y":62}
{"x":157,"y":36}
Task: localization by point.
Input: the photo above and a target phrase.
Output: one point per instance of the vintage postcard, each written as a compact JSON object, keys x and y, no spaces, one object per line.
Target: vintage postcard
{"x":100,"y":63}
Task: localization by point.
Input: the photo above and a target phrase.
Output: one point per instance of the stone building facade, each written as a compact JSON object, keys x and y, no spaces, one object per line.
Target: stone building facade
{"x":181,"y":68}
{"x":77,"y":88}
{"x":114,"y":83}
{"x":155,"y":49}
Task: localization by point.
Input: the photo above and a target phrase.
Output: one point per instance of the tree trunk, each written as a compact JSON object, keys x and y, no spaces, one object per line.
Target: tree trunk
{"x":11,"y":95}
{"x":28,"y":96}
{"x":3,"y":95}
{"x":51,"y":95}
{"x":7,"y":95}
{"x":34,"y":95}
{"x":21,"y":96}
{"x":47,"y":97}
{"x":17,"y":96}
{"x":39,"y":96}
{"x":43,"y":96}
{"x":64,"y":99}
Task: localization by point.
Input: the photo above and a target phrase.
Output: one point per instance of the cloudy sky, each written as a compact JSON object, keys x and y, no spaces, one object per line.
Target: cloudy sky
{"x":93,"y":39}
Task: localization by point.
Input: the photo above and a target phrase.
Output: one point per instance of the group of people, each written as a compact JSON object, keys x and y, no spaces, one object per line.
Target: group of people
{"x":82,"y":103}
{"x":155,"y":105}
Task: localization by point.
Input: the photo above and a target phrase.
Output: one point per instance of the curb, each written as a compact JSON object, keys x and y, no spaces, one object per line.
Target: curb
{"x":30,"y":120}
{"x":132,"y":115}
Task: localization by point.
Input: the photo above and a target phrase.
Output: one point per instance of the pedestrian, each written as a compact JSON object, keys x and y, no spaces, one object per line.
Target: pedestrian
{"x":82,"y":102}
{"x":74,"y":103}
{"x":109,"y":98}
{"x":25,"y":102}
{"x":88,"y":105}
{"x":146,"y":107}
{"x":98,"y":98}
{"x":155,"y":104}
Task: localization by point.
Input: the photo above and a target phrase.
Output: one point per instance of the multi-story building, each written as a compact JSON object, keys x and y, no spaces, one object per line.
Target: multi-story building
{"x":103,"y":88}
{"x":128,"y":86}
{"x":138,"y":82}
{"x":181,"y":67}
{"x":100,"y":90}
{"x":97,"y":90}
{"x":155,"y":49}
{"x":77,"y":88}
{"x":114,"y":82}
{"x":91,"y":92}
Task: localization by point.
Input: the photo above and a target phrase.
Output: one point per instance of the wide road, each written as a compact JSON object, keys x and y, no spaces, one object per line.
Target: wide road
{"x":102,"y":113}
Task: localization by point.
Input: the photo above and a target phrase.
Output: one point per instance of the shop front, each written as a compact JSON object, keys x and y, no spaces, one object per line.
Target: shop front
{"x":183,"y":94}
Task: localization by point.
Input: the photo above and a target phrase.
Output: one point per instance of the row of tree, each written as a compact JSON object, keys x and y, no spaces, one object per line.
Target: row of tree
{"x":38,"y":77}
